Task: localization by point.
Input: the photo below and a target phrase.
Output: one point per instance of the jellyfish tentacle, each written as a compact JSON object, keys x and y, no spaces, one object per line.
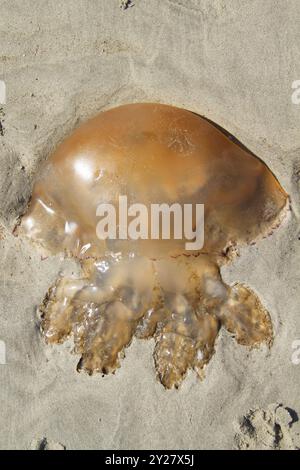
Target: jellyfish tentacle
{"x":209,"y":327}
{"x":149,"y":322}
{"x":107,"y":332}
{"x":182,"y":305}
{"x":173,"y":355}
{"x":246,"y":318}
{"x":57,"y":309}
{"x":185,"y":340}
{"x":101,"y":310}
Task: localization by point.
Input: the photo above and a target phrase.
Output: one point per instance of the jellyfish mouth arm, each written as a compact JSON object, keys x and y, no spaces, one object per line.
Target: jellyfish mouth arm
{"x":185,"y":340}
{"x":101,"y":310}
{"x":181,"y":304}
{"x":246,"y":318}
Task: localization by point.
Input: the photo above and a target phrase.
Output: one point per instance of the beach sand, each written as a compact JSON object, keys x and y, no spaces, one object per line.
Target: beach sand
{"x":65,"y":61}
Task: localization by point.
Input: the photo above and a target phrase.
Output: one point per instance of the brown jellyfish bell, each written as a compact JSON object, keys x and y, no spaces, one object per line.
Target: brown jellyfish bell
{"x":147,"y":287}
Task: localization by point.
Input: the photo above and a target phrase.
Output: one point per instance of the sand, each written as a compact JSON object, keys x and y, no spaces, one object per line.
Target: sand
{"x":64,"y":61}
{"x":268,"y":429}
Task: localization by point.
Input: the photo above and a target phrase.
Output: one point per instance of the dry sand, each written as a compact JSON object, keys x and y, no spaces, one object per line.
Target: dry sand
{"x":64,"y":61}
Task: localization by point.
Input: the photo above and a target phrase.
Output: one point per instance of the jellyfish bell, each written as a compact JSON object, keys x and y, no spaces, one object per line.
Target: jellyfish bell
{"x":153,"y":154}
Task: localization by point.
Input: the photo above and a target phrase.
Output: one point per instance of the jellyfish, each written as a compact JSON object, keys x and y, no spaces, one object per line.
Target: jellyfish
{"x":151,"y":288}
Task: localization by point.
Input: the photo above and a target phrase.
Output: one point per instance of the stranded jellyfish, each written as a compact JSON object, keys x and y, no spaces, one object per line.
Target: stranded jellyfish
{"x":151,"y":286}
